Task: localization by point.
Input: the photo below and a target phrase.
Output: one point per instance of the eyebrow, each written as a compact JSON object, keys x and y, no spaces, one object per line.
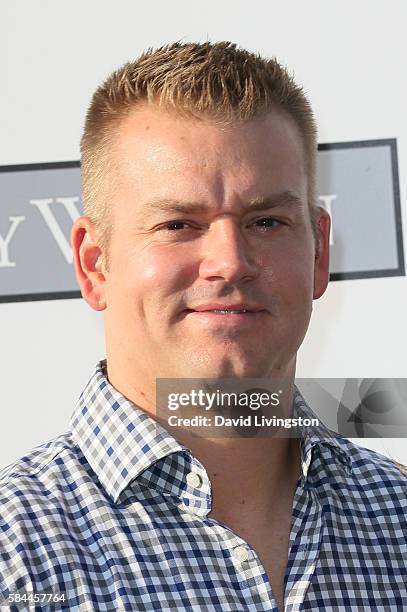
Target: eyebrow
{"x":286,"y":199}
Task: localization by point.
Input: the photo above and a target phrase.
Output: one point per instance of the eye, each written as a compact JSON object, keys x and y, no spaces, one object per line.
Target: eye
{"x":266,"y":223}
{"x":173,"y":225}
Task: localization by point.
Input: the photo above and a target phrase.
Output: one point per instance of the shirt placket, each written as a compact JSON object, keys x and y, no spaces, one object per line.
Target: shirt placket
{"x":305,"y":545}
{"x":255,"y":587}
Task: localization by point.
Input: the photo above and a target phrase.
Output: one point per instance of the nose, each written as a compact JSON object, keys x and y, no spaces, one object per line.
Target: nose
{"x":226,"y":253}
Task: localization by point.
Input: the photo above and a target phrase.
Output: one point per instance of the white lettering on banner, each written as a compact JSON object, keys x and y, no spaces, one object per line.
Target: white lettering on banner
{"x":327,"y":204}
{"x":5,"y":243}
{"x":70,"y":206}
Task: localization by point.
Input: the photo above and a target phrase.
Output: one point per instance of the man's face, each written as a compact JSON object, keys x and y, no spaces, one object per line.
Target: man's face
{"x":187,"y":236}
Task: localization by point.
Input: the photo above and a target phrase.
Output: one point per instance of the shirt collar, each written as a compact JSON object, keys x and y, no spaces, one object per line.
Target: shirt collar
{"x":318,"y":436}
{"x":120,"y":441}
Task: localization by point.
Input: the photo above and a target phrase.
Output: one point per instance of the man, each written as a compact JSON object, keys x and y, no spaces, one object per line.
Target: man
{"x":204,"y":248}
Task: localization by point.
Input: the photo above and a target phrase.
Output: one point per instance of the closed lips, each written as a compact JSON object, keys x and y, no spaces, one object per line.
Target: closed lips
{"x":227,"y":308}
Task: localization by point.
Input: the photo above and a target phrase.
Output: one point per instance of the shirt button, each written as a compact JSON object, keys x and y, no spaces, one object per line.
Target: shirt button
{"x":240,"y":554}
{"x":194,"y":480}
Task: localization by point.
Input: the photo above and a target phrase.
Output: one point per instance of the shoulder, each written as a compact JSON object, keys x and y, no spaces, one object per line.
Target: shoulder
{"x":30,"y":472}
{"x":371,"y":487}
{"x":37,"y":502}
{"x":47,"y":478}
{"x":36,"y":482}
{"x":373,"y":468}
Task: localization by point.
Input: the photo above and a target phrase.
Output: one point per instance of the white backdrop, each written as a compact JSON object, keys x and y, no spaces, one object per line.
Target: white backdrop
{"x":350,"y":58}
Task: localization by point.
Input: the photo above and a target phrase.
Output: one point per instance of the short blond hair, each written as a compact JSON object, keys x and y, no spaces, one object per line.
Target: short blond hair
{"x":215,"y":80}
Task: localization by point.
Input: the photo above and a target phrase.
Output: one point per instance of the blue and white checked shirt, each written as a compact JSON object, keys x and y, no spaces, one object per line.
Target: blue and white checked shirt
{"x":105,"y":515}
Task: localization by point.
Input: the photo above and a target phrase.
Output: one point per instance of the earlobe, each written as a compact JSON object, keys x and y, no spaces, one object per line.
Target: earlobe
{"x":88,"y":263}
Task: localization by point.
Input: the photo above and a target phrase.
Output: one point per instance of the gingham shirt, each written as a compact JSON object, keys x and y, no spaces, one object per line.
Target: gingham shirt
{"x":106,"y":515}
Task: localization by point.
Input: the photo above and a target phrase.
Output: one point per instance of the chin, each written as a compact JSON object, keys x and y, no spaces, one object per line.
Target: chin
{"x":226,"y":367}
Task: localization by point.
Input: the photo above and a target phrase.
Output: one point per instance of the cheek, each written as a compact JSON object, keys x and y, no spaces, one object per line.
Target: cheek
{"x":289,"y":272}
{"x":161,"y":272}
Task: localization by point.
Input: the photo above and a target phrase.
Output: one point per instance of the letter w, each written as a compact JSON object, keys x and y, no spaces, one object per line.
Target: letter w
{"x":70,"y":206}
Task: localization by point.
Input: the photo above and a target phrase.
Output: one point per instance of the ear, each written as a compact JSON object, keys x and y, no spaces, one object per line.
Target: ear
{"x":88,"y":263}
{"x":321,"y":263}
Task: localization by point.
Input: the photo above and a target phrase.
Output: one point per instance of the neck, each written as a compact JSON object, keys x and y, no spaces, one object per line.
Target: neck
{"x":249,"y":476}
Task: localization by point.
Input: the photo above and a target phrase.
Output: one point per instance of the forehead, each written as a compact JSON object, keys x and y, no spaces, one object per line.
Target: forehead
{"x":161,"y":152}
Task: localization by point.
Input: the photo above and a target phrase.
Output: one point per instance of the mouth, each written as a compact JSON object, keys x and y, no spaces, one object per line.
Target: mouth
{"x":225,"y":311}
{"x":233,"y":318}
